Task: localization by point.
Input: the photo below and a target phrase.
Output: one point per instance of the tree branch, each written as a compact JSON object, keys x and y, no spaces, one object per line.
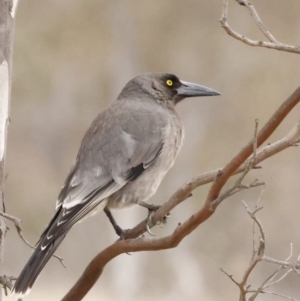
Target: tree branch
{"x":17,"y":223}
{"x":237,"y":164}
{"x":259,"y":256}
{"x":273,"y":44}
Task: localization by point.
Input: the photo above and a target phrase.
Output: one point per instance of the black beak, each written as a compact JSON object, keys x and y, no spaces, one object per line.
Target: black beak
{"x":192,"y":90}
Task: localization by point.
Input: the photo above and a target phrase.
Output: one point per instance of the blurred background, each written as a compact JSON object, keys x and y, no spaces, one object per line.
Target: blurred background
{"x":71,"y":58}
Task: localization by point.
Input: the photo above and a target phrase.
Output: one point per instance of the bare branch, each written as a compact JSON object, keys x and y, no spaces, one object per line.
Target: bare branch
{"x":276,"y":294}
{"x":256,"y":221}
{"x":284,"y":263}
{"x":7,"y":282}
{"x":253,"y":228}
{"x":242,"y":156}
{"x":230,"y":277}
{"x":268,"y":284}
{"x":258,"y":256}
{"x":273,"y":44}
{"x":17,"y":223}
{"x":258,"y":21}
{"x":238,"y":186}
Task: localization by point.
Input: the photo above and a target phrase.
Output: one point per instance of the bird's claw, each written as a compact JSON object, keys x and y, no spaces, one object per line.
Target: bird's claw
{"x":149,"y":222}
{"x":151,"y":210}
{"x":149,"y":231}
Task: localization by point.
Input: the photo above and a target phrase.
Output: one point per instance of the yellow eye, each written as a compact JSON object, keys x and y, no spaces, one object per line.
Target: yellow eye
{"x":169,"y":83}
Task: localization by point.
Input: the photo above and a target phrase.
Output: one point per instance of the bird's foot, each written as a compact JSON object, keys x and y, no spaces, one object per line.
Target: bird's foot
{"x":151,"y":210}
{"x":122,"y":234}
{"x":149,"y":223}
{"x":164,"y":220}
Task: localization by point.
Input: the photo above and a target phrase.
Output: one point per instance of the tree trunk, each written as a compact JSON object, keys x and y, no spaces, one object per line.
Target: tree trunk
{"x":6,"y":41}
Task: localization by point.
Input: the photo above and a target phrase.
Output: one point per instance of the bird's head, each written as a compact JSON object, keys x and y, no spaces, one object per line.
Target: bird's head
{"x":166,"y":87}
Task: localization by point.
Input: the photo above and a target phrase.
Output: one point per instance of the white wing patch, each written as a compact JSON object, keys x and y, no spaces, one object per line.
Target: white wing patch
{"x":97,"y":171}
{"x":129,"y":142}
{"x":129,"y":145}
{"x":103,"y":195}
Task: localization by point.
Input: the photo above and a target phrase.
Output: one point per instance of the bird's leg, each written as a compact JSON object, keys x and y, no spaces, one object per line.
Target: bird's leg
{"x":119,"y":231}
{"x":151,"y":210}
{"x":149,"y":206}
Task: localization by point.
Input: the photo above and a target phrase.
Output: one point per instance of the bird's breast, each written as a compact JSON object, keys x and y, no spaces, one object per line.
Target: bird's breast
{"x":144,"y":187}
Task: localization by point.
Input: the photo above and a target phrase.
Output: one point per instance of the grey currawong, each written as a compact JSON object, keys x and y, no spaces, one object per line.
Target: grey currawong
{"x":122,"y":159}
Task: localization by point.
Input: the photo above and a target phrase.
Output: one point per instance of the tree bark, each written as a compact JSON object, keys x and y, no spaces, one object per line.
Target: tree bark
{"x":6,"y":41}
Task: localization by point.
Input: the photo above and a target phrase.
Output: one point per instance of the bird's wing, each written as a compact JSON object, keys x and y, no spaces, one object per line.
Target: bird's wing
{"x":122,"y":138}
{"x":121,"y":143}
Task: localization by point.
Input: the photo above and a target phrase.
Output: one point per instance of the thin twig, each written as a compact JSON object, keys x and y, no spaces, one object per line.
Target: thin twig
{"x":238,"y":186}
{"x":274,"y":44}
{"x":278,"y":295}
{"x":278,"y":280}
{"x":256,"y":208}
{"x":17,"y":223}
{"x":255,"y":219}
{"x":6,"y":282}
{"x":258,"y":21}
{"x":258,"y":256}
{"x":282,"y":262}
{"x":271,"y":279}
{"x":230,"y":277}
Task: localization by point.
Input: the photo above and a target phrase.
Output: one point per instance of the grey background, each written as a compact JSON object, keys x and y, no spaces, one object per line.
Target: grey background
{"x":71,"y":58}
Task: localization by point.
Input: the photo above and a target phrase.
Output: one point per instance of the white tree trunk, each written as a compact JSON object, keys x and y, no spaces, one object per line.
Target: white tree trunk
{"x":6,"y":39}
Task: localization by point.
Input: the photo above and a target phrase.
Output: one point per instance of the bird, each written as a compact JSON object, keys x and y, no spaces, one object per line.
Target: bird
{"x":122,"y":160}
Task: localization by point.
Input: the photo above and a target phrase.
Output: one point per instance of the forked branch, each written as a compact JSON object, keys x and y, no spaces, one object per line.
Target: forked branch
{"x":284,"y":268}
{"x":272,"y":43}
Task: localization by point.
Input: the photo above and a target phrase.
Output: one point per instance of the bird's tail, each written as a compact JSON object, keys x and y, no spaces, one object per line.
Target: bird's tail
{"x":61,"y":223}
{"x":34,"y":266}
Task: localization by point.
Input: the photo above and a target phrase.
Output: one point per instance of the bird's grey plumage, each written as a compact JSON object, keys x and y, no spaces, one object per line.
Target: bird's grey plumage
{"x":123,"y":157}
